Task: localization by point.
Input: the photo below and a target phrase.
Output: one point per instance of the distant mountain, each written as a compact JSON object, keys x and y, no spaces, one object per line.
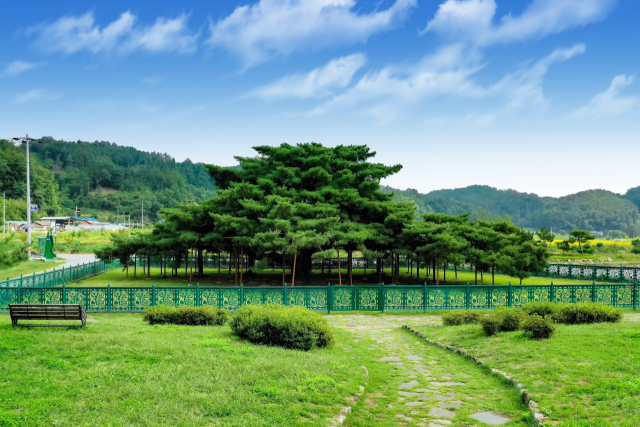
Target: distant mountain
{"x":593,"y":209}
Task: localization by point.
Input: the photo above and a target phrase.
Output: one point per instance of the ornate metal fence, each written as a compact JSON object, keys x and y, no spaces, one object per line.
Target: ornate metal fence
{"x":326,"y":298}
{"x":58,"y":277}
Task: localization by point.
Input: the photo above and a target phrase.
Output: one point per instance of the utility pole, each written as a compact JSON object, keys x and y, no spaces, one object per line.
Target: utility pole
{"x":142,"y":218}
{"x":4,"y":214}
{"x":26,"y":140}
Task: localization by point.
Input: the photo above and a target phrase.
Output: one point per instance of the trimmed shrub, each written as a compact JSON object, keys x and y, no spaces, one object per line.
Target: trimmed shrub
{"x":574,"y":314}
{"x":538,"y":327}
{"x":461,"y":317}
{"x":491,"y":324}
{"x":541,"y":308}
{"x":288,"y":327}
{"x":195,"y":316}
{"x":510,"y":318}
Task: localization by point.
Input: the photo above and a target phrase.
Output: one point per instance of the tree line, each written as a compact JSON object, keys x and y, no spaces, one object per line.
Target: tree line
{"x":293,"y":203}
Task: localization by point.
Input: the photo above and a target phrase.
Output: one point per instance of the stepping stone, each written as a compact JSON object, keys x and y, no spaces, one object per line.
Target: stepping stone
{"x":412,"y":357}
{"x":403,"y":339}
{"x":433,"y":362}
{"x":92,"y":320}
{"x":446,"y":383}
{"x":465,"y":376}
{"x":443,"y":422}
{"x":441,"y":397}
{"x":450,"y":405}
{"x":410,"y":384}
{"x":408,"y":393}
{"x":490,"y":418}
{"x":390,"y":359}
{"x":423,"y":390}
{"x":413,"y":403}
{"x":439,"y":412}
{"x":415,"y":412}
{"x":446,"y":375}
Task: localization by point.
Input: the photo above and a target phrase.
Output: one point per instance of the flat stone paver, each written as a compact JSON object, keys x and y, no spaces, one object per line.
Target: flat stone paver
{"x":439,"y":412}
{"x":490,"y":418}
{"x":409,"y":384}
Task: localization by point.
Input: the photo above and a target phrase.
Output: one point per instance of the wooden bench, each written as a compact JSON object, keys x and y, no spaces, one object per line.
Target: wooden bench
{"x":47,"y":312}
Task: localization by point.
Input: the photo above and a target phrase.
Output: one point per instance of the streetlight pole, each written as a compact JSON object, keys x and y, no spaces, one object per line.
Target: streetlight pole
{"x":26,"y":140}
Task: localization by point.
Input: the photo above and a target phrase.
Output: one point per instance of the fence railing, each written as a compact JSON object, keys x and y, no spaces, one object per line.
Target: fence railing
{"x":59,"y":276}
{"x":326,"y":298}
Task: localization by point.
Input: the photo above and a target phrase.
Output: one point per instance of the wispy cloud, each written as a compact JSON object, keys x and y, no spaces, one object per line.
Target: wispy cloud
{"x":473,"y":20}
{"x":281,"y":27}
{"x":71,"y":34}
{"x":34,"y":95}
{"x":17,"y":67}
{"x":608,"y":103}
{"x":318,"y":83}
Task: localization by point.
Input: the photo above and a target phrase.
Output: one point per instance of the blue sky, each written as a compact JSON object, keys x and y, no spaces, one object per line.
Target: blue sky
{"x":535,"y":95}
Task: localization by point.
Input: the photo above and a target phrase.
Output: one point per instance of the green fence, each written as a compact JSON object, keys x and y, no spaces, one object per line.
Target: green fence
{"x":326,"y":298}
{"x":59,"y":276}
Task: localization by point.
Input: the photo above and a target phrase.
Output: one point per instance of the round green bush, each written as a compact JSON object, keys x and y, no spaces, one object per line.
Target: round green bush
{"x":510,"y":318}
{"x":541,"y":308}
{"x":461,"y":317}
{"x":538,"y":327}
{"x":491,"y":324}
{"x":194,"y":316}
{"x":584,"y":313}
{"x":288,"y":327}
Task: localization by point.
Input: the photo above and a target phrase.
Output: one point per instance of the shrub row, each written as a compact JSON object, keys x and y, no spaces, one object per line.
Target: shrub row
{"x":536,"y":319}
{"x":289,"y":327}
{"x":196,"y":316}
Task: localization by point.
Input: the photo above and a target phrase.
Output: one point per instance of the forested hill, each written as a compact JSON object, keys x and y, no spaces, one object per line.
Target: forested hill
{"x":593,"y":209}
{"x":103,"y":178}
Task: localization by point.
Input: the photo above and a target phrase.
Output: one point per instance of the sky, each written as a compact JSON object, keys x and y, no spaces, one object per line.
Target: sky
{"x":538,"y":96}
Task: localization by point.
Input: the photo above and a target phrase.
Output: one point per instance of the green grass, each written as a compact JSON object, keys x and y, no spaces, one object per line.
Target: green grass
{"x":586,"y":375}
{"x":121,"y":371}
{"x":28,"y":267}
{"x":116,"y":277}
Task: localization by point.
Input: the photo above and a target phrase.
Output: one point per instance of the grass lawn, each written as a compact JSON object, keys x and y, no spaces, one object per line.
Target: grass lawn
{"x":116,"y":277}
{"x":28,"y":267}
{"x":121,"y":371}
{"x":585,"y":376}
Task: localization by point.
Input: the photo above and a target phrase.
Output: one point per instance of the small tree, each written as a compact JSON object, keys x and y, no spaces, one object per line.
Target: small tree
{"x":564,"y":246}
{"x":635,"y":246}
{"x":580,"y":237}
{"x":545,"y":236}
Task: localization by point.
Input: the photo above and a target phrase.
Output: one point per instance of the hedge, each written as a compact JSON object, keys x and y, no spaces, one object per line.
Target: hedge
{"x":196,"y":316}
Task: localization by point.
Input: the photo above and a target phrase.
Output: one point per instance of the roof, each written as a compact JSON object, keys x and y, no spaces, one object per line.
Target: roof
{"x":54,"y":218}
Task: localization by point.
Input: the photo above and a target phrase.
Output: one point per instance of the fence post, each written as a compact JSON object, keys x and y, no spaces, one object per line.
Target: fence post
{"x":570,"y":271}
{"x":382,"y":297}
{"x":425,"y":296}
{"x":64,"y":294}
{"x":21,"y":280}
{"x":510,"y":296}
{"x":620,"y":274}
{"x":109,"y":297}
{"x":45,"y":278}
{"x":467,"y":305}
{"x":635,"y":296}
{"x":552,"y":295}
{"x":241,"y":294}
{"x":198,"y":294}
{"x":329,"y":297}
{"x":20,"y":295}
{"x":285,"y":293}
{"x":593,"y":291}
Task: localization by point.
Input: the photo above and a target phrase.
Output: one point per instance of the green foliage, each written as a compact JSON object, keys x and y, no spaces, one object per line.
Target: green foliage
{"x":575,"y":314}
{"x":461,"y":317}
{"x":581,"y":237}
{"x":541,"y":308}
{"x":510,"y":318}
{"x":564,"y":246}
{"x":194,"y":316}
{"x":635,"y":243}
{"x":11,"y":251}
{"x":538,"y":327}
{"x":491,"y":324}
{"x":288,"y":327}
{"x":545,"y":236}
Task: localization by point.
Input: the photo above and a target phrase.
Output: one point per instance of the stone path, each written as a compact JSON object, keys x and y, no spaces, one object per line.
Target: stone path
{"x":428,"y":392}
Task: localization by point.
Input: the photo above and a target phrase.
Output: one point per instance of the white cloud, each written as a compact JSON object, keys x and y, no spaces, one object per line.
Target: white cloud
{"x":34,"y":95}
{"x":281,"y":27}
{"x":472,"y":20}
{"x":608,"y":103}
{"x":318,"y":83}
{"x":17,"y":67}
{"x":73,"y":34}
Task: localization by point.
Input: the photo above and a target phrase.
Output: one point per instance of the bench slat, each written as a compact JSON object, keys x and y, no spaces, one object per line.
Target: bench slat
{"x":47,"y":312}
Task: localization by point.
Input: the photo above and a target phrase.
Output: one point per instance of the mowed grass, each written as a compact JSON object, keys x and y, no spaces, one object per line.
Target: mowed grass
{"x":121,"y":371}
{"x":585,"y":376}
{"x":28,"y":267}
{"x":116,"y":277}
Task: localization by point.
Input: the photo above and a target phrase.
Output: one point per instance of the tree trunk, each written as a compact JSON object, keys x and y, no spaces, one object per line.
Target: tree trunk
{"x":411,"y":269}
{"x":229,"y":263}
{"x":293,"y":275}
{"x":434,"y":271}
{"x":127,"y":266}
{"x":493,"y":275}
{"x":235,"y":266}
{"x":283,"y":282}
{"x":350,"y":258}
{"x":438,"y":273}
{"x":397,"y":268}
{"x":200,"y":262}
{"x":392,"y":262}
{"x":418,"y":269}
{"x":242,"y":265}
{"x":521,"y":281}
{"x":135,"y":265}
{"x":481,"y":275}
{"x":329,"y":265}
{"x":455,"y":268}
{"x":322,"y":265}
{"x":191,"y":271}
{"x":149,"y":266}
{"x":444,"y":273}
{"x":339,"y":270}
{"x":476,"y":279}
{"x":218,"y":265}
